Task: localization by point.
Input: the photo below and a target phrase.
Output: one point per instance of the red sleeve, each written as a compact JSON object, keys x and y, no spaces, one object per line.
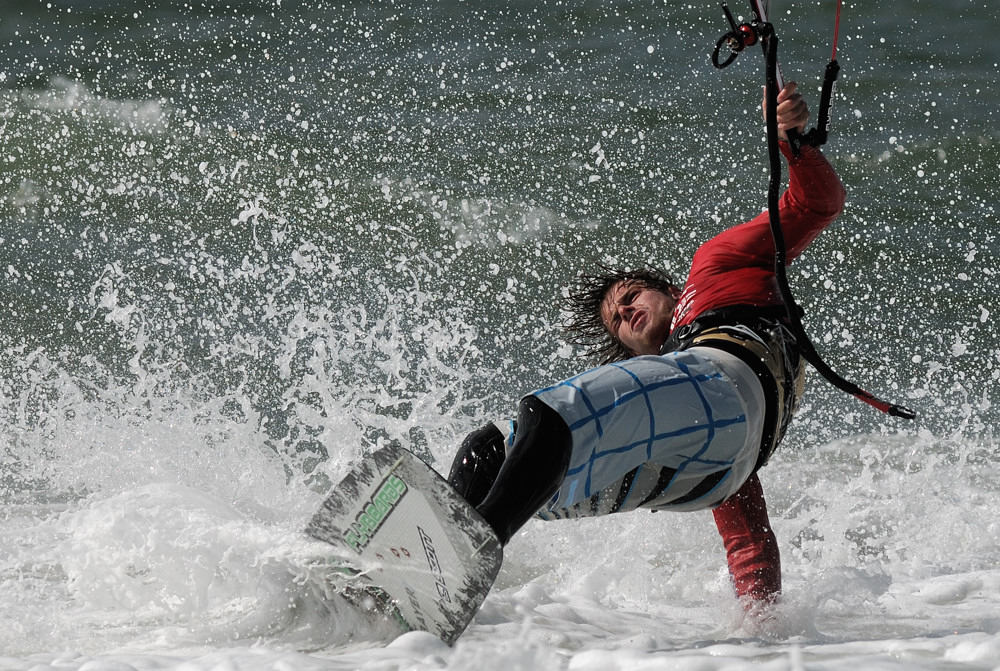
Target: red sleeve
{"x":736,"y":267}
{"x":751,"y":547}
{"x":814,"y":198}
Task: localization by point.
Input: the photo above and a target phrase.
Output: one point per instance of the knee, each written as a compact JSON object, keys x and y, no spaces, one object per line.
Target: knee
{"x":545,"y":423}
{"x":545,"y":427}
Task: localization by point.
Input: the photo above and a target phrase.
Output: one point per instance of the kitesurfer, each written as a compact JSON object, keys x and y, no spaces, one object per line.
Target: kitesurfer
{"x":697,"y":387}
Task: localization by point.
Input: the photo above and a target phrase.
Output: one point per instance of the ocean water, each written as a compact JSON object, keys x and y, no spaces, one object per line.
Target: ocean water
{"x":245,"y":243}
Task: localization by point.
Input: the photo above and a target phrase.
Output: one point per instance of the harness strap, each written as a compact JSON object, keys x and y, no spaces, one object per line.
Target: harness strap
{"x":758,"y":336}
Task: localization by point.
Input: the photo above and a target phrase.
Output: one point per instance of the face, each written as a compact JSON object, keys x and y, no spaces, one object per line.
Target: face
{"x":639,"y":316}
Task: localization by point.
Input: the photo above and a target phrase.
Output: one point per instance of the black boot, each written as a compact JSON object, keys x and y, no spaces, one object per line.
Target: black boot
{"x":477,"y":463}
{"x":533,"y":471}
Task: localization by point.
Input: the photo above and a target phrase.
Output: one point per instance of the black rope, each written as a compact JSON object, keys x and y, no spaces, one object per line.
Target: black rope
{"x":774,"y":189}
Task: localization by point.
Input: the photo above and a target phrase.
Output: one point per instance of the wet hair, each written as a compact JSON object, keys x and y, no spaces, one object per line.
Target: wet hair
{"x":585,"y":328}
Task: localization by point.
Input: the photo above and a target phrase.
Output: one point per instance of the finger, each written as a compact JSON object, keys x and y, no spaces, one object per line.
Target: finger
{"x":791,"y":88}
{"x":793,"y":110}
{"x":796,"y":119}
{"x":791,"y":105}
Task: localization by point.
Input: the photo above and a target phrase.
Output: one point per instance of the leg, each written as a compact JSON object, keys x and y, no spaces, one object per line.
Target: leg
{"x":532,"y":472}
{"x":478,"y":462}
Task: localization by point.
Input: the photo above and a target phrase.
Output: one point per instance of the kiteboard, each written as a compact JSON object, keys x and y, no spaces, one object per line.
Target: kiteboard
{"x":407,"y":546}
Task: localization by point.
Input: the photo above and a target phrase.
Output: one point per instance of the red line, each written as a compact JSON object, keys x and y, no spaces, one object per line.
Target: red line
{"x":836,"y":31}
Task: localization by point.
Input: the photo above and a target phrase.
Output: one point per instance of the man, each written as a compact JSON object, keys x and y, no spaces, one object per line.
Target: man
{"x":696,"y":390}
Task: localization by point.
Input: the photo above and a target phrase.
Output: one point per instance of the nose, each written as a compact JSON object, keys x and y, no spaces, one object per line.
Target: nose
{"x":626,"y":311}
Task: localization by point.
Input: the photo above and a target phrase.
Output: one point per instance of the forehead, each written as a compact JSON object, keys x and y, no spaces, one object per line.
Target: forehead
{"x":619,"y":288}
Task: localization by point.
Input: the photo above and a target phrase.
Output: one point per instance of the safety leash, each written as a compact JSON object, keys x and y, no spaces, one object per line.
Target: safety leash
{"x":740,"y":37}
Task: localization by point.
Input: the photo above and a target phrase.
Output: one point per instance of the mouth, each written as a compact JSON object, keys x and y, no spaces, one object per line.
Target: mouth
{"x":637,"y":319}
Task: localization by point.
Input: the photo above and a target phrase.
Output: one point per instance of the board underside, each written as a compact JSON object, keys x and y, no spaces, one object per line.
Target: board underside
{"x":420,"y":553}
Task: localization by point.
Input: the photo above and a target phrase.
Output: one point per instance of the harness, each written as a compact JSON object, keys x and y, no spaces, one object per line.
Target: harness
{"x":761,"y":338}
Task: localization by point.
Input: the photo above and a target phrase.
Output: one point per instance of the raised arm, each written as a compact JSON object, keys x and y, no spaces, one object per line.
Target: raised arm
{"x":736,"y":267}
